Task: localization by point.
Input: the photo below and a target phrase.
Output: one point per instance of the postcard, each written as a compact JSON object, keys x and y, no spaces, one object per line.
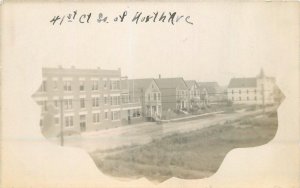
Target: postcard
{"x":150,"y":94}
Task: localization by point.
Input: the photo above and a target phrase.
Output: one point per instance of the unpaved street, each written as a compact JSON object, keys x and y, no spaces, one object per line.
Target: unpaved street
{"x":143,"y":133}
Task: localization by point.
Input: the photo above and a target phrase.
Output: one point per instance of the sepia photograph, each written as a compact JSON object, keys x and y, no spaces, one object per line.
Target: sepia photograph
{"x":156,"y":127}
{"x":149,"y":94}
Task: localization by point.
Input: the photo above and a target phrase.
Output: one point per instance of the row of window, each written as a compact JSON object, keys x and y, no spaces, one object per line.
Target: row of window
{"x":195,"y":93}
{"x":95,"y":101}
{"x":96,"y":118}
{"x":154,"y":96}
{"x":182,"y":93}
{"x":247,"y":91}
{"x":248,"y":98}
{"x":95,"y":85}
{"x":240,"y":98}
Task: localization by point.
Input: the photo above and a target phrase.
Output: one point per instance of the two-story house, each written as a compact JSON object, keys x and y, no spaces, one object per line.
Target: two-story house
{"x":194,"y":94}
{"x":174,"y":94}
{"x":147,"y":91}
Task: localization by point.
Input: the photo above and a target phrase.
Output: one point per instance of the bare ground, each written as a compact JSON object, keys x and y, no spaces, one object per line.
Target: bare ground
{"x":189,"y":155}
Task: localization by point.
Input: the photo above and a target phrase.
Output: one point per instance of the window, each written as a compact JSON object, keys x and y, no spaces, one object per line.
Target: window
{"x":81,"y":86}
{"x":82,"y":122}
{"x":105,"y":115}
{"x":95,"y":101}
{"x":158,"y":96}
{"x":115,"y":115}
{"x":96,"y":117}
{"x":95,"y":85}
{"x":255,"y":91}
{"x":68,"y":103}
{"x":149,"y":97}
{"x":232,"y":91}
{"x":232,"y":98}
{"x":124,"y":99}
{"x":69,"y":121}
{"x":255,"y":98}
{"x":247,"y":98}
{"x":55,"y":85}
{"x":240,"y":91}
{"x":82,"y":103}
{"x":105,"y":84}
{"x":67,"y":86}
{"x":115,"y":85}
{"x":105,"y":100}
{"x":247,"y":91}
{"x":115,"y":100}
{"x":240,"y":98}
{"x":154,"y":96}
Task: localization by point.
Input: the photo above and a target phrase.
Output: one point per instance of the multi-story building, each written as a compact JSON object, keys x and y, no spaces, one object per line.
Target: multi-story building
{"x":147,"y":91}
{"x":194,"y":94}
{"x":86,"y":99}
{"x":174,"y":94}
{"x":256,"y":90}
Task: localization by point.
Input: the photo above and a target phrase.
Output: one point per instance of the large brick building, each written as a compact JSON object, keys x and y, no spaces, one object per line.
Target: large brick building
{"x":90,"y":99}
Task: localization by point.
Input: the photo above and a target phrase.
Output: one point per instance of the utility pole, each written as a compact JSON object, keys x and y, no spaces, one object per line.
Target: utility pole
{"x":61,"y":123}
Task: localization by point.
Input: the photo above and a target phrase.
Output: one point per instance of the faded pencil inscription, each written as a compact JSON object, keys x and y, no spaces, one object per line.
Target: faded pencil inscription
{"x":137,"y":17}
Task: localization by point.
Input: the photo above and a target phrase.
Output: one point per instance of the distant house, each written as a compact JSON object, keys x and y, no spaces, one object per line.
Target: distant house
{"x":174,"y":94}
{"x":194,"y":93}
{"x":147,"y":91}
{"x":254,"y":90}
{"x":212,"y":92}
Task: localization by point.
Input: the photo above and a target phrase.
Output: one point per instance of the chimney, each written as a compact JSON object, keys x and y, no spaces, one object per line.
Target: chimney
{"x":159,"y":76}
{"x":72,"y":67}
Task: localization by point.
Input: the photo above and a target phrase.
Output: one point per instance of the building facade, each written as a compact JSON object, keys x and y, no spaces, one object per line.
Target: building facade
{"x":147,"y":91}
{"x":257,"y":90}
{"x":174,"y":94}
{"x":86,"y":99}
{"x":194,"y":94}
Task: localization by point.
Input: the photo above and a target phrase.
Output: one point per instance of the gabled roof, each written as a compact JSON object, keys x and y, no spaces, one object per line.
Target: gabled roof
{"x":141,"y":83}
{"x":242,"y":82}
{"x":166,"y":83}
{"x":190,"y":83}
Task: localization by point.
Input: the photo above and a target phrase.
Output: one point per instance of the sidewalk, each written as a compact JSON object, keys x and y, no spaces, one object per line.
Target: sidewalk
{"x":192,"y":116}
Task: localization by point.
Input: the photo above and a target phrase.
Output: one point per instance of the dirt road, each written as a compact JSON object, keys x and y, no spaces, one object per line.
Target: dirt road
{"x":145,"y":132}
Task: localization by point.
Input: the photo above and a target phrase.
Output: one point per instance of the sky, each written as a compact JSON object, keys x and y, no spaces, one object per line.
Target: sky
{"x":225,"y":41}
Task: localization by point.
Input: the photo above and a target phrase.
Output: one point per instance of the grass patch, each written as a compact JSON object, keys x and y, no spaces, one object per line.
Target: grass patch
{"x":192,"y":155}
